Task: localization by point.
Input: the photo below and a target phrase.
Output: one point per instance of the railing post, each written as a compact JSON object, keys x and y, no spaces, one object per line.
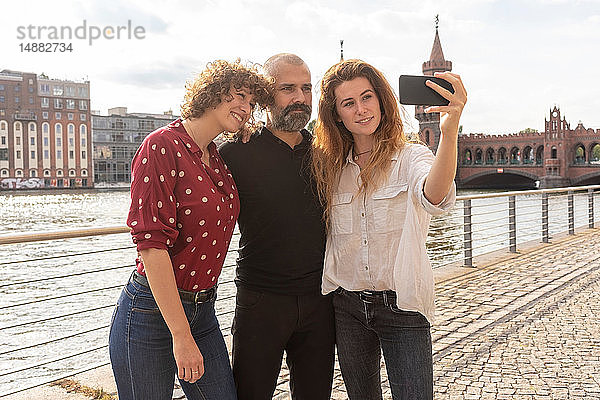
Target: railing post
{"x":512,"y":223}
{"x":468,"y":239}
{"x":571,"y":213}
{"x":545,"y":218}
{"x":591,"y":207}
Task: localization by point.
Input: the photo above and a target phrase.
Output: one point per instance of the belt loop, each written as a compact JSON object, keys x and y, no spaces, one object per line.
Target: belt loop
{"x":385,"y":298}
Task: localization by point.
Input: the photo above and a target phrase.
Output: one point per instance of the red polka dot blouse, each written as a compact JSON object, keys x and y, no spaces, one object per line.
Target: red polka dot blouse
{"x":182,"y":205}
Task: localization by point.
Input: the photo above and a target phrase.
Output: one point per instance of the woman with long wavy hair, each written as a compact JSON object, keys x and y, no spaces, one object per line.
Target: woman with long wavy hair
{"x":379,"y":192}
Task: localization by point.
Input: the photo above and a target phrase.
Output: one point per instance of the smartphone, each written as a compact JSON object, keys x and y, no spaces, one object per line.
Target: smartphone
{"x":414,"y":91}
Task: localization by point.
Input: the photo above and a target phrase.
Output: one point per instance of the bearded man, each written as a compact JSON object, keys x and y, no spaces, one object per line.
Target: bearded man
{"x":279,"y":306}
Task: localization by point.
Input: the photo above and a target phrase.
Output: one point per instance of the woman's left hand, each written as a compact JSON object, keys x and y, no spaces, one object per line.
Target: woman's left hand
{"x":450,"y":114}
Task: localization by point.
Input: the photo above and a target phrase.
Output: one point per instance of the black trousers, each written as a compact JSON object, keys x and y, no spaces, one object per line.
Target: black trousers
{"x":265,"y":325}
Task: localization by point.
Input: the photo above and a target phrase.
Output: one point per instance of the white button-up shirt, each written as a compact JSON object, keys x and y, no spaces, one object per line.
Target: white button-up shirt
{"x":377,"y":241}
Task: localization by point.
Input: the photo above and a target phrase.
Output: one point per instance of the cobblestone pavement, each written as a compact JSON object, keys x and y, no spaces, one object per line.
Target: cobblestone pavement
{"x":524,"y":328}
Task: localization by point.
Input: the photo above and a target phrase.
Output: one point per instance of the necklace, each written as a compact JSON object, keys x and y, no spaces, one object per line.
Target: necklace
{"x":360,"y":154}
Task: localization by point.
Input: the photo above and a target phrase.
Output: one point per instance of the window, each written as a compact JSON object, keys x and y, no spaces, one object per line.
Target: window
{"x":82,"y":117}
{"x":44,"y":88}
{"x":3,"y":140}
{"x":58,"y":142}
{"x":17,"y":88}
{"x":18,"y":154}
{"x":1,"y":87}
{"x":71,"y":155}
{"x":31,"y":100}
{"x":33,"y":173}
{"x":46,"y":172}
{"x":45,"y":102}
{"x":17,"y":99}
{"x":58,"y":103}
{"x":82,"y":142}
{"x":3,"y":155}
{"x":4,"y":172}
{"x":83,"y":91}
{"x":2,"y":113}
{"x":59,"y":172}
{"x":70,"y":104}
{"x":83,"y":155}
{"x":3,"y":125}
{"x":45,"y":114}
{"x":84,"y":173}
{"x":33,"y":154}
{"x":71,"y":129}
{"x":70,"y":116}
{"x":18,"y":140}
{"x":1,"y":99}
{"x":30,"y":81}
{"x":71,"y":172}
{"x":19,"y":172}
{"x":32,"y":141}
{"x":70,"y":91}
{"x":45,"y":128}
{"x":59,"y":154}
{"x":71,"y":142}
{"x":57,"y":115}
{"x":58,"y":129}
{"x":30,"y":89}
{"x":82,"y":129}
{"x":83,"y":105}
{"x":57,"y":90}
{"x":46,"y":141}
{"x":46,"y":154}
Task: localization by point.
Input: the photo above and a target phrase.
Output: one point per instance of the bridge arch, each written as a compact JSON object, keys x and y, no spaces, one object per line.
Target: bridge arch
{"x":594,"y":153}
{"x":515,"y":155}
{"x":490,"y":156}
{"x":490,"y":178}
{"x":527,"y":155}
{"x":539,"y":155}
{"x":467,"y":157}
{"x":579,"y":156}
{"x":502,"y":159}
{"x":593,"y":178}
{"x":478,"y":156}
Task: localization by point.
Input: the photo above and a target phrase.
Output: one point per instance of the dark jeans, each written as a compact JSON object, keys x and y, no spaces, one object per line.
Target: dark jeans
{"x":141,"y":350}
{"x":363,"y":329}
{"x":265,"y":325}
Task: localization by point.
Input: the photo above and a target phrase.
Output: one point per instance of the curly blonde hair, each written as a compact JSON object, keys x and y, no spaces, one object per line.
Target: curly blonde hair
{"x":213,"y":85}
{"x":332,"y":141}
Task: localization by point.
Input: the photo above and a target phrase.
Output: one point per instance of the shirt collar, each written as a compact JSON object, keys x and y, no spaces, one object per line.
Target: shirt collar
{"x":350,"y":159}
{"x":178,"y":130}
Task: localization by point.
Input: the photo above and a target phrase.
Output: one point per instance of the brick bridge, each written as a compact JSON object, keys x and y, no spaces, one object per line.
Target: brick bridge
{"x":559,"y":156}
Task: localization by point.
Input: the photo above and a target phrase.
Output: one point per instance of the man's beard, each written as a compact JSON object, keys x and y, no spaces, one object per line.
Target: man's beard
{"x":288,"y":120}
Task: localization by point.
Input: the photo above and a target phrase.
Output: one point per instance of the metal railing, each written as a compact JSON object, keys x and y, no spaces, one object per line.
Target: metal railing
{"x":478,"y":224}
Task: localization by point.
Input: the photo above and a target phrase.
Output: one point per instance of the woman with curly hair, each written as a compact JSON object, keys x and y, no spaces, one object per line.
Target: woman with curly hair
{"x":379,"y":193}
{"x":184,"y":206}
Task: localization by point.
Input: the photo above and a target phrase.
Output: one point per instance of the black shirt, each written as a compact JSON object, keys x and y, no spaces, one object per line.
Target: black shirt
{"x":283,"y":234}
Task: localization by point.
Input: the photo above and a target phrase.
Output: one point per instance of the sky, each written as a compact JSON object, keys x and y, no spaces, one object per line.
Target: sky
{"x":517,"y":59}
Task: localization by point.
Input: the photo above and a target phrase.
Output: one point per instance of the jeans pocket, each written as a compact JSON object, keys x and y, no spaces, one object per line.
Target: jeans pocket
{"x":144,"y":304}
{"x":412,"y":319}
{"x":247,"y":299}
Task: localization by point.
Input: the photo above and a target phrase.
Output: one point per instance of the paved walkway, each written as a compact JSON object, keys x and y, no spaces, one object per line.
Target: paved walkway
{"x":527,"y":327}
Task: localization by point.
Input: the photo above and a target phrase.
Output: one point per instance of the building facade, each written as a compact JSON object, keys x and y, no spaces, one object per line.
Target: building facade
{"x":116,"y":138}
{"x":44,"y":132}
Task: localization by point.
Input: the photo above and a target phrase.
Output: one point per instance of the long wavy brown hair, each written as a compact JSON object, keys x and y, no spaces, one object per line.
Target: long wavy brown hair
{"x":332,"y":141}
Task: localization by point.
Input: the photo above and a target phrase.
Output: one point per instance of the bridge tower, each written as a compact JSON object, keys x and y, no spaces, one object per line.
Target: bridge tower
{"x":429,"y":124}
{"x":556,"y":151}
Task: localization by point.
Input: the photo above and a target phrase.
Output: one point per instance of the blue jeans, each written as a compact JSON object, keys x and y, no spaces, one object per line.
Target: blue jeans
{"x":141,"y":350}
{"x":364,"y":327}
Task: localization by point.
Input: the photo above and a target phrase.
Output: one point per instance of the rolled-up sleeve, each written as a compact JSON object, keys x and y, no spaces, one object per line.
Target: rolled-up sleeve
{"x":420,"y":161}
{"x":153,"y":212}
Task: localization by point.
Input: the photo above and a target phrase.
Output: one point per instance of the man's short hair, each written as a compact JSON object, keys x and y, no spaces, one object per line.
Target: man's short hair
{"x":272,"y":65}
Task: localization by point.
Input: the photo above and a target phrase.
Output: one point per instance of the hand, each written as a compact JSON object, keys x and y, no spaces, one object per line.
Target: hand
{"x":450,"y":114}
{"x":189,"y":360}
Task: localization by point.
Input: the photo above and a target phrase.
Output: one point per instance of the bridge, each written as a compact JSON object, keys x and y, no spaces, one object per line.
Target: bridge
{"x":559,"y":156}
